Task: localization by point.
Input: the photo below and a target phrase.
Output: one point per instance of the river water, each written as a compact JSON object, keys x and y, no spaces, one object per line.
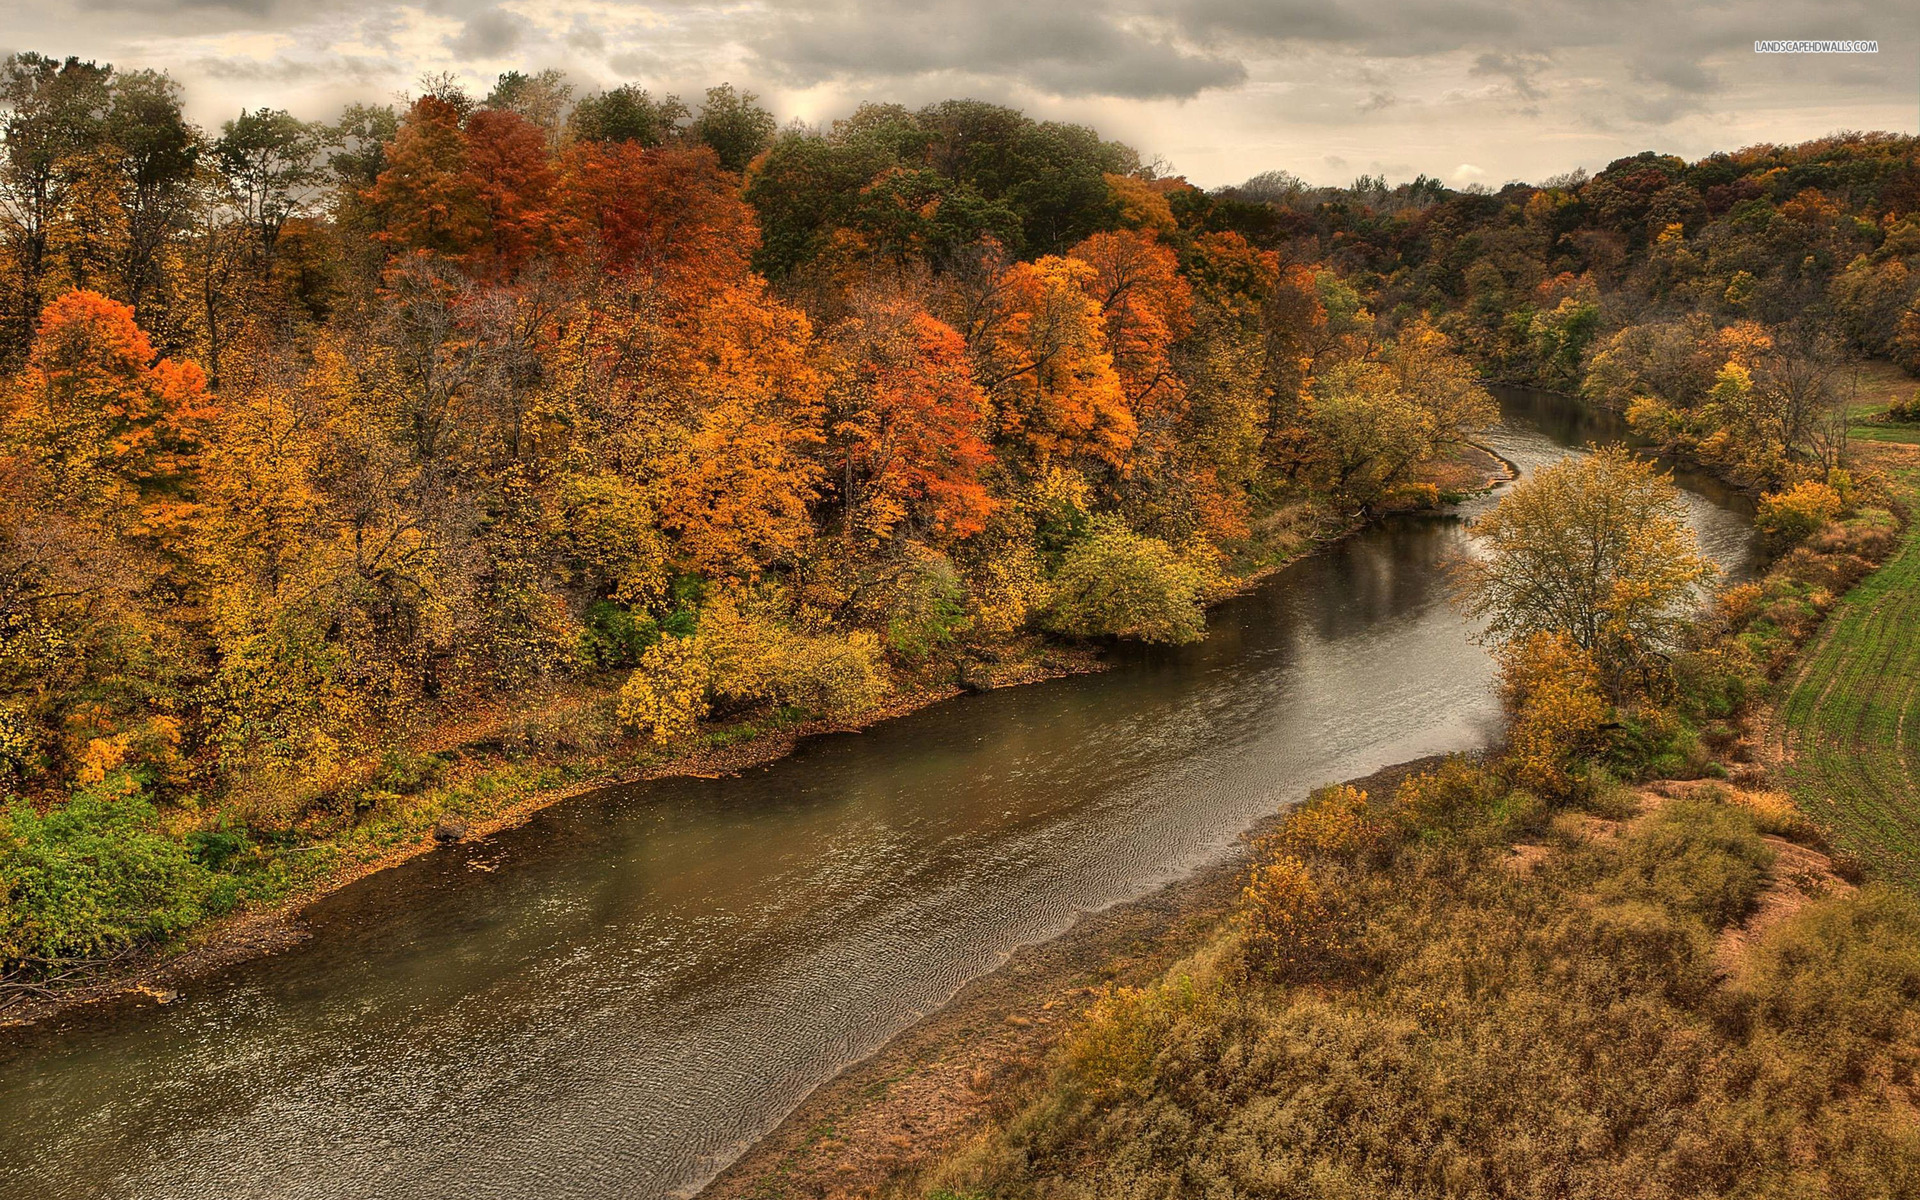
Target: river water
{"x":616,"y":998}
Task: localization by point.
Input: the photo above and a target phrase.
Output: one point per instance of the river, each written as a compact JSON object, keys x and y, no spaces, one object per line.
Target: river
{"x":614,"y":999}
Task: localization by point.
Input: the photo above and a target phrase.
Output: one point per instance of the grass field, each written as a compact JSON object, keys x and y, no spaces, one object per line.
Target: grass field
{"x":1850,"y":712}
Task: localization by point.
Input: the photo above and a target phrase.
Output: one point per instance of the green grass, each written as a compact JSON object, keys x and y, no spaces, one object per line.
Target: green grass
{"x":1850,"y":714}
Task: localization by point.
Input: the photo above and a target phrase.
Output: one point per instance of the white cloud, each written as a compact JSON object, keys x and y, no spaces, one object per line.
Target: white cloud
{"x":1222,"y":88}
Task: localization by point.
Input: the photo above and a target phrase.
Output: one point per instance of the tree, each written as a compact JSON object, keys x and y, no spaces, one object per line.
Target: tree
{"x":425,"y":198}
{"x":1594,"y":549}
{"x":733,"y":126}
{"x":512,"y":180}
{"x":1147,"y":307}
{"x":106,"y":421}
{"x":908,"y":430}
{"x":1115,"y":583}
{"x":738,"y":475}
{"x":55,"y":114}
{"x":628,"y":114}
{"x":155,"y":153}
{"x":1041,"y":352}
{"x":269,"y":161}
{"x":1366,"y":434}
{"x":540,"y":99}
{"x":671,"y":213}
{"x":1444,"y":387}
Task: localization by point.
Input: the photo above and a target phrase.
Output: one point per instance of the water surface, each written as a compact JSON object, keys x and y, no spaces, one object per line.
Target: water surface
{"x":614,"y":999}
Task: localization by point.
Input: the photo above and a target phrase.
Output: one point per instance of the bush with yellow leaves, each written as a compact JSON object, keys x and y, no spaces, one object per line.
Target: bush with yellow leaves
{"x":1772,"y":812}
{"x":759,"y":660}
{"x":1551,"y":689}
{"x":667,"y":695}
{"x":1289,"y":927}
{"x":1335,"y":823}
{"x":1792,"y":516}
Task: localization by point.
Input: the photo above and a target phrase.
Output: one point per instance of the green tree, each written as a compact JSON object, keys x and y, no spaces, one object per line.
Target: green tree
{"x":733,"y":126}
{"x":628,"y":114}
{"x":1115,"y":583}
{"x":270,"y":163}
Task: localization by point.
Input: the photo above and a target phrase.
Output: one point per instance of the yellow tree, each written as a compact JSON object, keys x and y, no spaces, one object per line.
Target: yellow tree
{"x":1596,"y":550}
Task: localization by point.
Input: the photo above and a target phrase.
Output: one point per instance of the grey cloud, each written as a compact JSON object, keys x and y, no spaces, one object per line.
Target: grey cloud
{"x":1067,"y":51}
{"x":1395,"y":29}
{"x":1519,"y":69}
{"x":1681,"y":75}
{"x":488,"y":34}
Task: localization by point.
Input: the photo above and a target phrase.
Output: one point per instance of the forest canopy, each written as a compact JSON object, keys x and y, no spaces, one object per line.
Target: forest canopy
{"x":318,"y":439}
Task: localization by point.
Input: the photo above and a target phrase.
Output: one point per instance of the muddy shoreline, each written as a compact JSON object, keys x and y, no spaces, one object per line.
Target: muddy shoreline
{"x":938,"y":1081}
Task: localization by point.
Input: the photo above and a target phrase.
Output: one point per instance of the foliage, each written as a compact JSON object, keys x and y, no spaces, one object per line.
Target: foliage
{"x":1335,"y":823}
{"x":1562,"y":1027}
{"x":320,"y":440}
{"x":1792,"y":516}
{"x":929,"y":609}
{"x":1289,"y":926}
{"x":1593,"y":549}
{"x":667,"y":694}
{"x":758,"y":660}
{"x":1115,"y":583}
{"x":1551,"y":689}
{"x":92,"y":876}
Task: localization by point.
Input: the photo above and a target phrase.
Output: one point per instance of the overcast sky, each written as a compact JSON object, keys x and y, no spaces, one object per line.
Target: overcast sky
{"x":1468,"y":90}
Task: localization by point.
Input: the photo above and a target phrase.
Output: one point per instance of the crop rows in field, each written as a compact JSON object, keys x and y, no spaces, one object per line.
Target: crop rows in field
{"x":1851,"y":716}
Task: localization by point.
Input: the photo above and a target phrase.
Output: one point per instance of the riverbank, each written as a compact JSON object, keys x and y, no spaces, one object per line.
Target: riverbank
{"x":1665,"y":918}
{"x":942,"y":1080}
{"x":158,"y":974}
{"x":500,"y":769}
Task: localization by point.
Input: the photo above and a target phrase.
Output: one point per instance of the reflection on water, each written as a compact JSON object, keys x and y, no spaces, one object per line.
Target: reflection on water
{"x":615,"y":998}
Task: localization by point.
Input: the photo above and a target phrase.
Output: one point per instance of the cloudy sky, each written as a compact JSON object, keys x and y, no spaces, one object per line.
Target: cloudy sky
{"x":1468,"y":90}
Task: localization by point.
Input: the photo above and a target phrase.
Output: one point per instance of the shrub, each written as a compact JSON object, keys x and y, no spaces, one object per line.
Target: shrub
{"x":93,"y":876}
{"x":1450,"y":799}
{"x":1772,"y":812}
{"x":928,"y":609}
{"x":1905,"y":411}
{"x":1719,"y":681}
{"x":1846,"y":968}
{"x":19,"y":743}
{"x":1288,"y":926}
{"x":1115,"y":583}
{"x":403,"y":772}
{"x":1551,"y":688}
{"x":757,"y":660}
{"x":1792,"y":516}
{"x":666,"y":696}
{"x":1334,"y":822}
{"x":1695,"y":858}
{"x":1616,"y":949}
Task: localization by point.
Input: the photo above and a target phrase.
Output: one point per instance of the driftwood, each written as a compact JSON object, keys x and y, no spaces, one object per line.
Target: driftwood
{"x":34,"y":978}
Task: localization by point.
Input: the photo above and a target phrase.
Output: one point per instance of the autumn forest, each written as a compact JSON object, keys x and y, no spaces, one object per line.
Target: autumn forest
{"x":362,"y":478}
